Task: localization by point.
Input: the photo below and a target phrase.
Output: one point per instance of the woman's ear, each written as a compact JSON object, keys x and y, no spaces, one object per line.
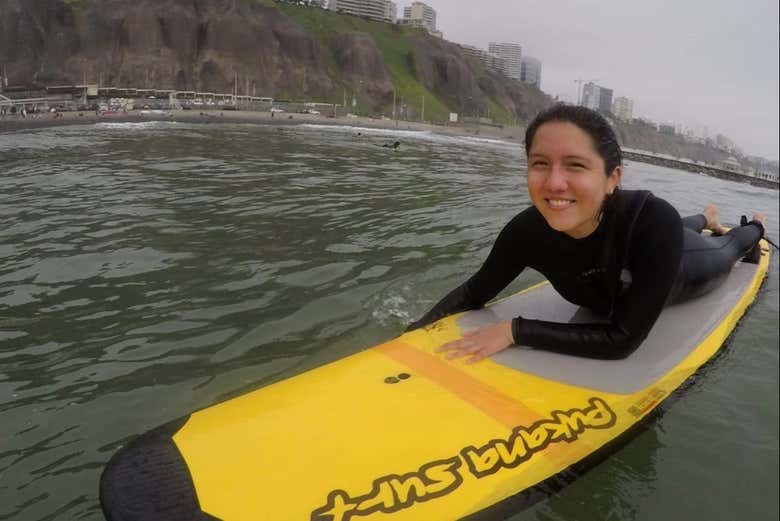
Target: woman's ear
{"x":614,"y":180}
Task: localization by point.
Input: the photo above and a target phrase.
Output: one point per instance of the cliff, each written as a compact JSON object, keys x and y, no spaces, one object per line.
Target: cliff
{"x":279,"y":50}
{"x":258,"y":46}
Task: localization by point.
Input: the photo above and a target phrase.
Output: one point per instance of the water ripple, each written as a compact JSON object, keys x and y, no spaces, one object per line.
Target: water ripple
{"x":150,"y":269}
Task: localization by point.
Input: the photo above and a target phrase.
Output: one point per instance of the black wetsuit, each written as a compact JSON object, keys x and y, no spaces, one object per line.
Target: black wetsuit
{"x":641,"y":257}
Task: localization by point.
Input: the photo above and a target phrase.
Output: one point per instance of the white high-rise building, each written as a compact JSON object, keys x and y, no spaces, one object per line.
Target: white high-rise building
{"x":531,"y":71}
{"x":491,"y":61}
{"x":597,"y":97}
{"x":590,"y":96}
{"x":420,"y":15}
{"x":512,"y":54}
{"x":381,"y":10}
{"x":623,"y":108}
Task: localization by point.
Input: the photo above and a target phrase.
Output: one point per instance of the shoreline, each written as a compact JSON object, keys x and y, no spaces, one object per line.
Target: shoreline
{"x":47,"y":120}
{"x":512,"y":135}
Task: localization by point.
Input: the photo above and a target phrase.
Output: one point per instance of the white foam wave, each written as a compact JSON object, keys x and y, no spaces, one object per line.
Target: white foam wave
{"x":140,"y":125}
{"x":422,"y":135}
{"x":392,"y":310}
{"x":368,"y":130}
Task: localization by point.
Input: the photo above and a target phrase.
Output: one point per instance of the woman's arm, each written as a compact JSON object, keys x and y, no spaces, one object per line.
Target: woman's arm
{"x":655,"y":254}
{"x":502,"y":265}
{"x":656,"y":250}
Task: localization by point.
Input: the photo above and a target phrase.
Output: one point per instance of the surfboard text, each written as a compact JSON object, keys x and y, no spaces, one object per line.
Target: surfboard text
{"x":395,"y":492}
{"x":527,"y":441}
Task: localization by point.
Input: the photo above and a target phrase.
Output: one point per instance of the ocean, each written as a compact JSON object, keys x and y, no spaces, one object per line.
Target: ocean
{"x":151,"y":269}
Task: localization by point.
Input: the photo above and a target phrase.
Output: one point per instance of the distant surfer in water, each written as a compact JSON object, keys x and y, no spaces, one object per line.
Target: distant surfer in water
{"x":623,"y":254}
{"x":394,"y":145}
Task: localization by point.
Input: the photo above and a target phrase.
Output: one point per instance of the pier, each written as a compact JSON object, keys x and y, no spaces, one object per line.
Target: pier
{"x":643,"y":156}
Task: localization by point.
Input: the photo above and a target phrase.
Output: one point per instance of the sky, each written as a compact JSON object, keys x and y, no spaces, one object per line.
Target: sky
{"x":699,"y":63}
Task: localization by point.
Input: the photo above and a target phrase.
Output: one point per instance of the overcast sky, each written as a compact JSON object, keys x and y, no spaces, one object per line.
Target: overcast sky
{"x":710,"y":63}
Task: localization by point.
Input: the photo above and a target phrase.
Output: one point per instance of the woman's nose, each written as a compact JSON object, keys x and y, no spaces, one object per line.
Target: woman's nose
{"x":556,"y":179}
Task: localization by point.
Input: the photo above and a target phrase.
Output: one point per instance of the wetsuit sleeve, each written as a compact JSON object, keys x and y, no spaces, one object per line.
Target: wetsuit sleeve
{"x":656,"y":250}
{"x":503,"y":264}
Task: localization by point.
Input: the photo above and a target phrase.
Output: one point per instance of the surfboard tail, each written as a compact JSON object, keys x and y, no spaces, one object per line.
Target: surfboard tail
{"x":148,"y":480}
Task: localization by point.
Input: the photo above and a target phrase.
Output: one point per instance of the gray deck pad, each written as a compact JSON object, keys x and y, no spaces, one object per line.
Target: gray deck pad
{"x":678,"y":331}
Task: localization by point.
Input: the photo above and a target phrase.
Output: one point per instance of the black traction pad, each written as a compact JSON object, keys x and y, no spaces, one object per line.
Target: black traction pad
{"x":148,"y":480}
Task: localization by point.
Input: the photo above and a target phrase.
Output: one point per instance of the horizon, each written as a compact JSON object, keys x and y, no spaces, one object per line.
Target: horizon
{"x":684,"y":67}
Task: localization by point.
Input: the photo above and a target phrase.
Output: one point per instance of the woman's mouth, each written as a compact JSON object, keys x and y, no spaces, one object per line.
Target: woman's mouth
{"x":559,"y":204}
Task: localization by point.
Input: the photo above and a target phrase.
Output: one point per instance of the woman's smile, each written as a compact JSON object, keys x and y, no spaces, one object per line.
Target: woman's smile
{"x":560,"y":204}
{"x":567,"y":179}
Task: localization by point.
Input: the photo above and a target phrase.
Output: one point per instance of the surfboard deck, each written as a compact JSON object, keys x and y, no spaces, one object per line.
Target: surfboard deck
{"x":398,"y":432}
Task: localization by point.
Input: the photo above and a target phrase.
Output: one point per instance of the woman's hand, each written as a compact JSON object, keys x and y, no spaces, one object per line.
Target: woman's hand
{"x":480,"y":343}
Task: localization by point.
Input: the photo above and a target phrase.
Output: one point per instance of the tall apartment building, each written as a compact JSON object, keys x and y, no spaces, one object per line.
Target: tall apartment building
{"x":380,"y":10}
{"x":491,"y":61}
{"x":590,"y":96}
{"x":512,"y":54}
{"x":420,"y":15}
{"x":597,"y":98}
{"x":531,"y":71}
{"x":605,"y":100}
{"x":623,"y":108}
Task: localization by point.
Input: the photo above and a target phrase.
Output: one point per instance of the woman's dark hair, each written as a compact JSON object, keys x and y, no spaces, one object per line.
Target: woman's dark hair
{"x":591,"y":122}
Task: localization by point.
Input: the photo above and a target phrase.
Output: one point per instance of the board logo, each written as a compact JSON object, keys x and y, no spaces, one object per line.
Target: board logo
{"x":395,"y":492}
{"x":647,"y":402}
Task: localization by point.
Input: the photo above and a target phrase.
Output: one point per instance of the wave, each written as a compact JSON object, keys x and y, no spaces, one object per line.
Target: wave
{"x":422,"y":135}
{"x":141,"y":125}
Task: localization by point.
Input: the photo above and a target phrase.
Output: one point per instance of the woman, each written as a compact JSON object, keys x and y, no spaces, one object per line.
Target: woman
{"x":623,"y":254}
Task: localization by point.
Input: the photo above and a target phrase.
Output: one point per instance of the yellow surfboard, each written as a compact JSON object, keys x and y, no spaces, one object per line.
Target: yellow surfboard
{"x":398,"y":432}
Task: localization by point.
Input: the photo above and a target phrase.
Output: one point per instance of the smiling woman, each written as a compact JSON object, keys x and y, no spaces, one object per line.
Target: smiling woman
{"x":566,"y":179}
{"x":622,"y":254}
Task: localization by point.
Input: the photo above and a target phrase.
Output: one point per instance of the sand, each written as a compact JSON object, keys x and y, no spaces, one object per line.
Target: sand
{"x":16,"y":123}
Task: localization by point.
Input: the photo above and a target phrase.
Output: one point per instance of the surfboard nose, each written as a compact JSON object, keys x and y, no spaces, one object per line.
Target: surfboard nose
{"x":148,"y":480}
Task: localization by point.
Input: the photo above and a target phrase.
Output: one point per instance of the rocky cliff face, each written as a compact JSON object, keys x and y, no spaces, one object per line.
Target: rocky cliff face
{"x":210,"y":45}
{"x":644,"y":137}
{"x":254,"y":46}
{"x":467,"y":86}
{"x":170,"y":44}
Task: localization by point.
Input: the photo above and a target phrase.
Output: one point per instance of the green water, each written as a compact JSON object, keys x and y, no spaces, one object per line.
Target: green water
{"x":152,"y":269}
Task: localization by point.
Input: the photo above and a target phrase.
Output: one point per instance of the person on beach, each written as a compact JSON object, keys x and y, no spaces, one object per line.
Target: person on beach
{"x":623,"y":254}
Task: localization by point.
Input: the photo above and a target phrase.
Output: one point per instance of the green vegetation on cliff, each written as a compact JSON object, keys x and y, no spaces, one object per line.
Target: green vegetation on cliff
{"x":260,"y":47}
{"x":394,"y":41}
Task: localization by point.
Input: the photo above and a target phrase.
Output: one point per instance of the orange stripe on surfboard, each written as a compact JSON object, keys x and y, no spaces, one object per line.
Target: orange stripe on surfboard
{"x":502,"y":408}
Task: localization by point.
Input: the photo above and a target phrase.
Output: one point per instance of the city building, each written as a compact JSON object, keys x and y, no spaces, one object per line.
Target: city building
{"x":380,"y":10}
{"x":490,"y":61}
{"x":666,"y":128}
{"x":623,"y":108}
{"x":597,"y":98}
{"x":531,"y":71}
{"x":644,"y":120}
{"x":605,"y":100}
{"x":724,"y":142}
{"x":512,"y":54}
{"x":690,"y":134}
{"x":731,"y":164}
{"x":420,"y":15}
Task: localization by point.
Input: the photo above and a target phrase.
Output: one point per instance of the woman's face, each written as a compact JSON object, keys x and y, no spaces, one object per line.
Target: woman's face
{"x":566,"y":178}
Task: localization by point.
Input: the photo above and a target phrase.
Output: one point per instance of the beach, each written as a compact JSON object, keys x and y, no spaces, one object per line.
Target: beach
{"x":45,"y":120}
